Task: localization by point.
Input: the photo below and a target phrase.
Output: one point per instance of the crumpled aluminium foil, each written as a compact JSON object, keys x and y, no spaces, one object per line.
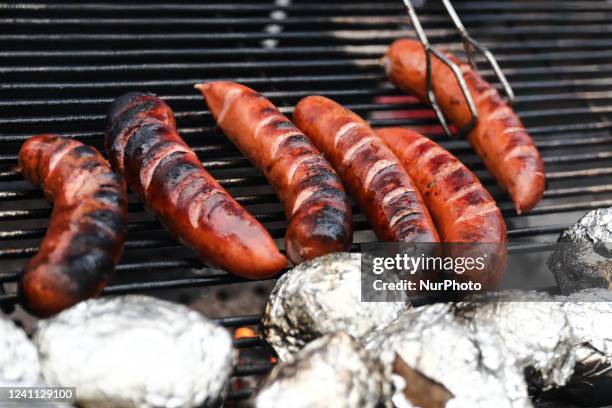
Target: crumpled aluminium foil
{"x":136,"y":351}
{"x":19,"y":365}
{"x":584,"y":259}
{"x":332,"y":371}
{"x":590,"y":314}
{"x":470,"y":362}
{"x":322,"y":296}
{"x":533,"y":328}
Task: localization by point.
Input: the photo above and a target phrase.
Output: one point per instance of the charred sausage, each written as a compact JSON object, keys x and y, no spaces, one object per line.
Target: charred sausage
{"x":144,"y":146}
{"x":499,"y":137}
{"x":316,"y":206}
{"x":462,"y":209}
{"x":85,"y":236}
{"x":371,"y":172}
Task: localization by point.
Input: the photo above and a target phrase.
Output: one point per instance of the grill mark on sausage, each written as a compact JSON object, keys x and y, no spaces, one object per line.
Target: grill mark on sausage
{"x":227,"y":102}
{"x":415,"y":145}
{"x":345,"y":130}
{"x":447,"y":169}
{"x":195,"y":207}
{"x":461,"y":192}
{"x":57,"y":155}
{"x":516,"y":129}
{"x":375,"y":169}
{"x":265,"y":122}
{"x":519,"y":150}
{"x":489,"y":93}
{"x":281,"y":139}
{"x":500,"y":113}
{"x":400,"y":215}
{"x":394,"y":194}
{"x":353,"y":150}
{"x":476,"y":210}
{"x":147,"y":172}
{"x":432,"y":152}
{"x":304,"y":195}
{"x":297,"y":163}
{"x":107,"y":219}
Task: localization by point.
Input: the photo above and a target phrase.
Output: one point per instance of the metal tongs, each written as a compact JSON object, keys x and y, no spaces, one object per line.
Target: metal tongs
{"x":469,"y":45}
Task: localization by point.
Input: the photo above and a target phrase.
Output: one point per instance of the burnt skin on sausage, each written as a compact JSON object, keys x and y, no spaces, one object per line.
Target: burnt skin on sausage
{"x":314,"y":200}
{"x":371,"y":172}
{"x":85,"y":236}
{"x":462,"y":209}
{"x":144,"y":146}
{"x":499,"y":137}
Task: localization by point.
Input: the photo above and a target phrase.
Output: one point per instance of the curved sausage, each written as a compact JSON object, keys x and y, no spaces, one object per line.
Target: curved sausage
{"x":499,"y":137}
{"x":462,"y":209}
{"x":371,"y":172}
{"x":166,"y":174}
{"x":314,"y":200}
{"x":84,"y":239}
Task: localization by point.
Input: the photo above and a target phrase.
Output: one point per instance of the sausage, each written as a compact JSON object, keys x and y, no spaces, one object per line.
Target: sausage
{"x":499,"y":137}
{"x":317,"y":208}
{"x":144,"y":146}
{"x":462,"y":209}
{"x":371,"y":173}
{"x":85,"y":236}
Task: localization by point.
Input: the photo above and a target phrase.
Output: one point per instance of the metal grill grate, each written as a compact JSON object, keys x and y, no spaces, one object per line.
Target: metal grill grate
{"x":62,"y":63}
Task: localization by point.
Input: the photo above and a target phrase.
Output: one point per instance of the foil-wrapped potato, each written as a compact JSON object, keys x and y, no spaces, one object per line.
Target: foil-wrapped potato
{"x":19,"y":365}
{"x":322,"y":296}
{"x":583,"y":259}
{"x":471,"y":365}
{"x":136,"y":351}
{"x":332,"y":371}
{"x":589,"y":313}
{"x":533,"y":327}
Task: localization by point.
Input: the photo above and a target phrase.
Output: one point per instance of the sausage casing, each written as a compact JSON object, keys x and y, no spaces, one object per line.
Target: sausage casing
{"x":85,"y":236}
{"x":316,"y":206}
{"x":371,"y":173}
{"x":499,"y":137}
{"x":144,"y":146}
{"x":461,"y":207}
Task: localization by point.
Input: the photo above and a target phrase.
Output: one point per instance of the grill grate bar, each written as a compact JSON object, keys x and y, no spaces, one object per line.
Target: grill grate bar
{"x":564,"y":96}
{"x":535,"y":130}
{"x":378,"y":76}
{"x":479,"y":6}
{"x":376,"y":50}
{"x":347,"y":35}
{"x":586,"y":17}
{"x":372,"y":62}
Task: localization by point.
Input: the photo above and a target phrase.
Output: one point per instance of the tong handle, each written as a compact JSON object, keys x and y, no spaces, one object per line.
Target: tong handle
{"x":469,"y":44}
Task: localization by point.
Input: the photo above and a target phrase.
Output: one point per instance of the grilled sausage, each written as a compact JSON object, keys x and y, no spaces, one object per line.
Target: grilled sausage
{"x":499,"y":137}
{"x":371,"y":172}
{"x":315,"y":204}
{"x":85,"y":236}
{"x":462,"y":209}
{"x":166,"y":174}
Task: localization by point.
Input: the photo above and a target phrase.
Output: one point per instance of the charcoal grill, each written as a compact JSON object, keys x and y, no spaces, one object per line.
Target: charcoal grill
{"x":62,"y":63}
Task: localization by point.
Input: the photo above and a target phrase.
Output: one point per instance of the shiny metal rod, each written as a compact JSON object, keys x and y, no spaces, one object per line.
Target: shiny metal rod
{"x":470,"y":45}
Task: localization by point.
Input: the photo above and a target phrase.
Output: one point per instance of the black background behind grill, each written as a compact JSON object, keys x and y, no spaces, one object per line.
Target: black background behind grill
{"x":61,"y":63}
